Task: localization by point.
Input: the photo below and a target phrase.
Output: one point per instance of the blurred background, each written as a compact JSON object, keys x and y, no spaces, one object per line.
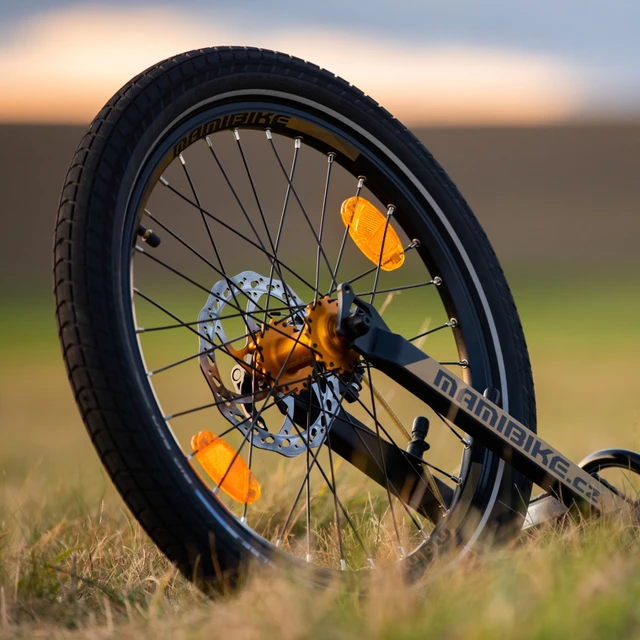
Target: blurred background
{"x":533,"y":109}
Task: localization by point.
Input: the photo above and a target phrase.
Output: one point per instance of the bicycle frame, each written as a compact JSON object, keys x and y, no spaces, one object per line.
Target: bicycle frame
{"x":477,"y":414}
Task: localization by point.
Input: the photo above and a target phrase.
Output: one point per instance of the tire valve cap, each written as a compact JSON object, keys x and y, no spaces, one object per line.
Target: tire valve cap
{"x":148,"y":236}
{"x":419,"y":432}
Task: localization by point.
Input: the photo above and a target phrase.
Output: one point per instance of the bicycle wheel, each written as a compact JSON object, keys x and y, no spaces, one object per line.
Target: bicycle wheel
{"x":207,"y":218}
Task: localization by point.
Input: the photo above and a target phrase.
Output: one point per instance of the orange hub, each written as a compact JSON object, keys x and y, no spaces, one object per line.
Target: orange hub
{"x":287,"y":354}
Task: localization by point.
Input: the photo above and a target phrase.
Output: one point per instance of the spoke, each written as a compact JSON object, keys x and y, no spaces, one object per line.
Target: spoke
{"x":247,"y":313}
{"x":161,"y":308}
{"x":272,"y":312}
{"x":451,"y":477}
{"x":332,"y":489}
{"x":343,"y":563}
{"x":236,"y":134}
{"x":306,"y":479}
{"x":213,"y":348}
{"x":384,"y":464}
{"x":236,"y":398}
{"x":308,"y":496}
{"x":387,"y":407}
{"x":204,"y":220}
{"x":436,"y":281}
{"x":157,"y":305}
{"x":465,"y":441}
{"x":296,"y":149}
{"x":361,"y":181}
{"x":213,"y":243}
{"x":306,"y":482}
{"x":457,"y":363}
{"x":179,"y":362}
{"x":330,"y":158}
{"x":304,"y":211}
{"x":217,"y":403}
{"x":390,"y":210}
{"x":230,"y":283}
{"x":452,"y":323}
{"x":414,"y":244}
{"x":253,"y":419}
{"x":190,"y":280}
{"x":431,"y":484}
{"x":270,"y":257}
{"x":395,"y":492}
{"x":234,"y":192}
{"x":261,"y":410}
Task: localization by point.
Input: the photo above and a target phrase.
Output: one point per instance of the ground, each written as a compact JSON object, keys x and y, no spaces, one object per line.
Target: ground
{"x":74,"y":564}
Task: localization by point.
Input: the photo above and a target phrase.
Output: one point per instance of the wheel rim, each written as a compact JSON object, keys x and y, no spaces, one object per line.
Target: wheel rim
{"x":183,"y":164}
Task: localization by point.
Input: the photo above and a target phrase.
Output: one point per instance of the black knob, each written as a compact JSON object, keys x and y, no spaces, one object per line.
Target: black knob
{"x":357,"y":324}
{"x":419,"y":431}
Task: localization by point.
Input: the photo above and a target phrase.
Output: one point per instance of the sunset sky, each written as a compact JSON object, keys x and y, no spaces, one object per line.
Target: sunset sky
{"x":464,"y":62}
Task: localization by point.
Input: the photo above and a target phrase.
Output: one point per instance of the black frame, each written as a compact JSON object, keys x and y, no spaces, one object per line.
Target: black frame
{"x":478,"y":415}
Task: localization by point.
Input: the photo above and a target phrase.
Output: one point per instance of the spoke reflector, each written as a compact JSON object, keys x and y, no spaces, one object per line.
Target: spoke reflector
{"x":217,"y":459}
{"x":367,"y":226}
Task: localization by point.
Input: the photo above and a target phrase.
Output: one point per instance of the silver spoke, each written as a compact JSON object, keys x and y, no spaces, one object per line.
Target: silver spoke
{"x":390,"y":211}
{"x":330,"y":158}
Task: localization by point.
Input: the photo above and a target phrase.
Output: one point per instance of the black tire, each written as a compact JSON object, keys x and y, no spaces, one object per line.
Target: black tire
{"x":91,"y":280}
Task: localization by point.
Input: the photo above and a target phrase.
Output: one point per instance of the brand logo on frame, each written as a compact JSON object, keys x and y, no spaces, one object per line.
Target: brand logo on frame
{"x":521,"y":437}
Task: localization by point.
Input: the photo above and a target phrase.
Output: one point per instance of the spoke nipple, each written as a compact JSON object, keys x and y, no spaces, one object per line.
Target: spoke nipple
{"x":453,"y":323}
{"x":149,"y":374}
{"x":464,"y":363}
{"x":390,"y":210}
{"x":236,"y":133}
{"x":309,"y":558}
{"x":268,"y":134}
{"x":164,"y":181}
{"x":297,"y":142}
{"x":437,"y":281}
{"x":278,"y":543}
{"x":457,"y":480}
{"x":330,"y":156}
{"x":181,"y":158}
{"x":403,"y":553}
{"x":343,"y":564}
{"x":466,"y":443}
{"x":415,"y":243}
{"x":371,"y":563}
{"x":243,"y":519}
{"x":208,"y":139}
{"x":361,"y":180}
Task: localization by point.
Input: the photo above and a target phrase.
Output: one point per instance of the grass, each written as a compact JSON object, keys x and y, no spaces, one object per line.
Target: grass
{"x":74,"y":564}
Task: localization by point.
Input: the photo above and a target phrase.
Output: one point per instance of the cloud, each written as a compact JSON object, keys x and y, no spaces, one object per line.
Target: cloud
{"x":63,"y":66}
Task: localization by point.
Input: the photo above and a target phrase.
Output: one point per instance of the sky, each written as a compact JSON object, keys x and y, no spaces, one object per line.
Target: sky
{"x":438,"y":63}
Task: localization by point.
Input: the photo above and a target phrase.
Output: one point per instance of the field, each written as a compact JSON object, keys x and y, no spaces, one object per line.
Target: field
{"x":74,"y":564}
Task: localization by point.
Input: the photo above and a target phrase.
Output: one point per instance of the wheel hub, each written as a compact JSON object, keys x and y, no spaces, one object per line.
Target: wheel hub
{"x":287,"y":353}
{"x":298,"y":355}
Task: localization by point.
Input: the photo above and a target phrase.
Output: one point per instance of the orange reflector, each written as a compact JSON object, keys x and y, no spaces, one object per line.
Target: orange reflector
{"x":216,"y":457}
{"x":367,"y":229}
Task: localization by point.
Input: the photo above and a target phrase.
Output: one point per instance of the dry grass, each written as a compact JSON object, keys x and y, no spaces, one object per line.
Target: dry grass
{"x":86,"y":571}
{"x":73,"y":563}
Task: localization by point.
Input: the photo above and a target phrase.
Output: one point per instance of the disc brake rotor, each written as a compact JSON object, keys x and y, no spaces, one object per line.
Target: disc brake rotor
{"x":281,"y":434}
